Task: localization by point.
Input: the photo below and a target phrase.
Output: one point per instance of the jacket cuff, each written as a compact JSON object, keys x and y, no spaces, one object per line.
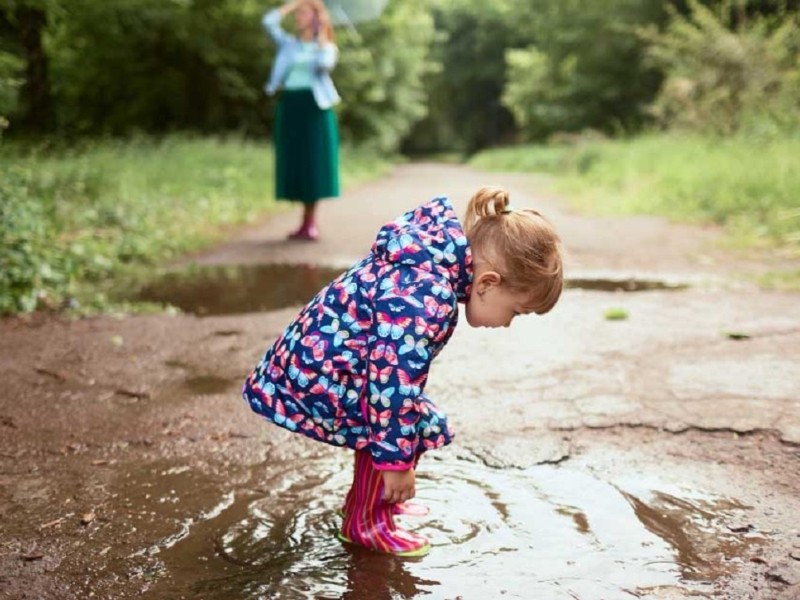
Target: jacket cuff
{"x":392,"y":466}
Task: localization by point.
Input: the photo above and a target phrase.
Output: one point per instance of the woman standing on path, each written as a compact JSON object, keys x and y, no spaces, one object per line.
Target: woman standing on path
{"x":306,"y":133}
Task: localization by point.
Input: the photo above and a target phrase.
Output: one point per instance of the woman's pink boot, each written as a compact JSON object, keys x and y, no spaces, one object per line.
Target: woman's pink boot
{"x":308,"y":228}
{"x":369,"y":521}
{"x":308,"y":232}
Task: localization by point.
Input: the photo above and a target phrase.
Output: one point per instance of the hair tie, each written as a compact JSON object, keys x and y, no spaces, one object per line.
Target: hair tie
{"x":507,"y":210}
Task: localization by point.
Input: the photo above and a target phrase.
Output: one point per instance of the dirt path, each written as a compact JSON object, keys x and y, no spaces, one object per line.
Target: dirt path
{"x":654,"y":457}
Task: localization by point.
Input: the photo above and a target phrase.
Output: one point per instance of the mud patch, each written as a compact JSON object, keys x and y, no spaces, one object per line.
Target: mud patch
{"x":209,"y":384}
{"x":549,"y":532}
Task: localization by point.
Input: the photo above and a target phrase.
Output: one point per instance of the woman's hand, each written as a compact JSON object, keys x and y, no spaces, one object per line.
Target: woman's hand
{"x":289,"y":7}
{"x":398,"y":486}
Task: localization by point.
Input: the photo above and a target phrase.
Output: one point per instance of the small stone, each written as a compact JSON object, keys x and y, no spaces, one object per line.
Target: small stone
{"x":31,"y":556}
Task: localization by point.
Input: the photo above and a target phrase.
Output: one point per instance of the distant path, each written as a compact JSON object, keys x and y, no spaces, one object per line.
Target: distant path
{"x":631,"y":244}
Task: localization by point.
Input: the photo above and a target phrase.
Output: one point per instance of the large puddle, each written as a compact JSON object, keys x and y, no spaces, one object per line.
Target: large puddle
{"x":235,"y":289}
{"x":545,"y":532}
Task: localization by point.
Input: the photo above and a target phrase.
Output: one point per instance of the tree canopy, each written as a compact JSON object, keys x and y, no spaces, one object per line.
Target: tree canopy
{"x":429,"y":75}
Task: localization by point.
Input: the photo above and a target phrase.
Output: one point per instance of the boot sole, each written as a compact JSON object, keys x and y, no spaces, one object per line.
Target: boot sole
{"x":422,"y":551}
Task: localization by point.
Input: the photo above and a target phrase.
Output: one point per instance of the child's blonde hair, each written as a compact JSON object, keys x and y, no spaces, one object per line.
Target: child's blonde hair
{"x":519,"y":243}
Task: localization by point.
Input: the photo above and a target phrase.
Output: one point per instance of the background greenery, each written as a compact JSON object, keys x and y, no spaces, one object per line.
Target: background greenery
{"x":114,"y":115}
{"x":748,"y":185}
{"x":75,"y":216}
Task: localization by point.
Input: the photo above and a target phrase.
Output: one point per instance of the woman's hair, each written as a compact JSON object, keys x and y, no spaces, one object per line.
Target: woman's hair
{"x":519,"y":243}
{"x":322,"y":18}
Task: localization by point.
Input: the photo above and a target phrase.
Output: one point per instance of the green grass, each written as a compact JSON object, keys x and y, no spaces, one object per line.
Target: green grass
{"x":750,"y":186}
{"x":72,"y":218}
{"x":781,"y":280}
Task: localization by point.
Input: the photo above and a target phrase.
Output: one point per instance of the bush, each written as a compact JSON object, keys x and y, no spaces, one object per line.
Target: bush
{"x":726,"y":71}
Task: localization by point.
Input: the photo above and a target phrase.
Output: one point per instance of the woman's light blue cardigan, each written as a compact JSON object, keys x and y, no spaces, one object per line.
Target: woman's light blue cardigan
{"x":322,"y":85}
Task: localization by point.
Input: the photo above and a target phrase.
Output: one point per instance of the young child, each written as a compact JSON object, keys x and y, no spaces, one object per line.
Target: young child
{"x":350,"y":370}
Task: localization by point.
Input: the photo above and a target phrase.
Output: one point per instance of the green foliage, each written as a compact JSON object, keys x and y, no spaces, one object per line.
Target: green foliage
{"x":165,"y":65}
{"x":152,"y":65}
{"x":551,"y":159}
{"x":10,"y":82}
{"x":747,"y":184}
{"x":380,"y":75}
{"x":726,"y":69}
{"x":615,"y":314}
{"x":26,"y":262}
{"x":465,"y":113}
{"x":781,"y":280}
{"x":70,"y":219}
{"x":582,"y":68}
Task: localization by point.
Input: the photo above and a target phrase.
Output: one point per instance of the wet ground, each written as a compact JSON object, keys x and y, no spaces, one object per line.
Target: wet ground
{"x":657,"y":456}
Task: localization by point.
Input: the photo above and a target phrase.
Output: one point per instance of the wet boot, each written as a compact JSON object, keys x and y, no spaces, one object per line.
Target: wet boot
{"x":406,"y":509}
{"x":369,"y":521}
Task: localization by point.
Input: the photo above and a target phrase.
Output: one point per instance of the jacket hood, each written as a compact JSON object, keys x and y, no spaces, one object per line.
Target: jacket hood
{"x":429,"y":237}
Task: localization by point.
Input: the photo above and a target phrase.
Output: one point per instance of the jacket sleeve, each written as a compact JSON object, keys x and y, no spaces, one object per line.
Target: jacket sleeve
{"x":272,"y":23}
{"x":327,"y":56}
{"x":403,"y":330}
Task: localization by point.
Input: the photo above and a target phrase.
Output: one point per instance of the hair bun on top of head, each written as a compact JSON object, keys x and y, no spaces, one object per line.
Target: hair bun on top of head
{"x":488,"y":201}
{"x":521,"y":244}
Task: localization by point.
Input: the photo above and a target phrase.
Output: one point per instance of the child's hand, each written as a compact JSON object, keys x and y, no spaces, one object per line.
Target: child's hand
{"x":398,"y":486}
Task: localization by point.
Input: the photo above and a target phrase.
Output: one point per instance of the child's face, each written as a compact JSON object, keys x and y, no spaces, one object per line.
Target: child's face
{"x":493,"y":305}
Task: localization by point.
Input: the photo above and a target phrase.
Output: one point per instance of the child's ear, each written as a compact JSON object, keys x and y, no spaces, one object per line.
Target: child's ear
{"x":488,"y":279}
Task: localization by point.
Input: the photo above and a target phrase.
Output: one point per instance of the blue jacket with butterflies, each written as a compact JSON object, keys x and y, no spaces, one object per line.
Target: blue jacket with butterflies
{"x":350,"y":370}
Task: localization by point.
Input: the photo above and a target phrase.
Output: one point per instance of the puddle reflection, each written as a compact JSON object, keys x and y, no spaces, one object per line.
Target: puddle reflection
{"x":546,"y":532}
{"x":235,"y":289}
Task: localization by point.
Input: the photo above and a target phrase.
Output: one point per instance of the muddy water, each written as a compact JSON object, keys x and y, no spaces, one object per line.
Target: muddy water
{"x":233,"y":289}
{"x":546,"y":532}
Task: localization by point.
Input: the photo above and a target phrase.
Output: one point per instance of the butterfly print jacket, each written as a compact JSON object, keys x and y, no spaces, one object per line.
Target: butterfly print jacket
{"x":350,"y":370}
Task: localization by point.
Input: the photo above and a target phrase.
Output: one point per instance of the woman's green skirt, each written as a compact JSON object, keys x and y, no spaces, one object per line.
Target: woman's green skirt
{"x":306,"y":149}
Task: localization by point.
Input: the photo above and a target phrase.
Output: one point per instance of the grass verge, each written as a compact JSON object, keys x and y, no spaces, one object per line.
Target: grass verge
{"x":73,"y":218}
{"x":750,"y":186}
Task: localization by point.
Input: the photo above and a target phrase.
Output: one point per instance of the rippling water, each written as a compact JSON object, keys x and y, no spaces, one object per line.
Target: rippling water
{"x":545,"y":532}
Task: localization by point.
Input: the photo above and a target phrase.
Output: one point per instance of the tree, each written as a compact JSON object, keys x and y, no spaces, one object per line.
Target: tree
{"x":24,"y":22}
{"x":465,"y":112}
{"x":381,"y":75}
{"x":584,"y":67}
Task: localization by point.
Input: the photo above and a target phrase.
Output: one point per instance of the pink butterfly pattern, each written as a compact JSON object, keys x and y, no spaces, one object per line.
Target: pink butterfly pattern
{"x":350,"y":370}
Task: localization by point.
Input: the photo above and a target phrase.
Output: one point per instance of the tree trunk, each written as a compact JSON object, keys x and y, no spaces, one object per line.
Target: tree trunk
{"x":38,"y":114}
